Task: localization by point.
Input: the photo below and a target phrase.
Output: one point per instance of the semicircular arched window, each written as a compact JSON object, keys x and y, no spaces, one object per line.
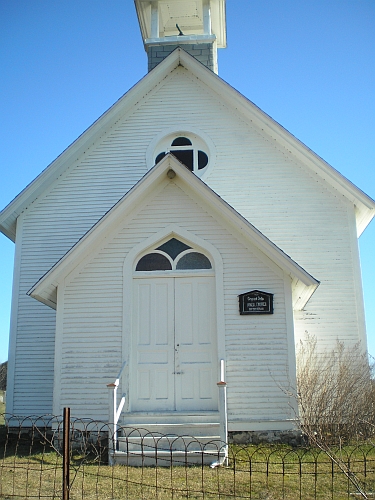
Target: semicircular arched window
{"x":154,"y":262}
{"x":193,"y":260}
{"x":173,"y":255}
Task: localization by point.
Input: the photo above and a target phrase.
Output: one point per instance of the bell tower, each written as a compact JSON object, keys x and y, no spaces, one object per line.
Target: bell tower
{"x":197,"y":26}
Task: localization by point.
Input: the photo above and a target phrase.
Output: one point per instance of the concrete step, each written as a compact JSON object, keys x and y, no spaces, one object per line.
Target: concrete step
{"x":142,"y":418}
{"x":170,"y":423}
{"x":168,"y":429}
{"x":156,"y":443}
{"x":162,"y":458}
{"x":168,"y":438}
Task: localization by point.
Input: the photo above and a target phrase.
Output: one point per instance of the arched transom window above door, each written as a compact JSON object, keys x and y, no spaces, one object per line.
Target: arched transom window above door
{"x":171,"y":256}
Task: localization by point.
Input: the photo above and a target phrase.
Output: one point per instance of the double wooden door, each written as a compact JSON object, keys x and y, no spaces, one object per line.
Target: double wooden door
{"x":174,"y":354}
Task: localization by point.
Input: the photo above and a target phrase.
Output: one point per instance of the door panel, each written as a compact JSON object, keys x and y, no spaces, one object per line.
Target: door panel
{"x":153,"y":345}
{"x":195,"y":338}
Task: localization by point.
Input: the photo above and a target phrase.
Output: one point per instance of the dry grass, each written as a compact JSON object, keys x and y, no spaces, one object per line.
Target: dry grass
{"x":286,"y":474}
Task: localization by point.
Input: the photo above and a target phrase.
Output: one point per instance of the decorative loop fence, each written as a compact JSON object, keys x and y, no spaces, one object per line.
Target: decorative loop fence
{"x":33,"y":456}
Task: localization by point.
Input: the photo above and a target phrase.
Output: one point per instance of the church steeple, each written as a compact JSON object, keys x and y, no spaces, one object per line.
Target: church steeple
{"x":197,"y":26}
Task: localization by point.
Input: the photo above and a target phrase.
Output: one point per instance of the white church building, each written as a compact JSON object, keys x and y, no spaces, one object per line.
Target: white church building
{"x":174,"y":244}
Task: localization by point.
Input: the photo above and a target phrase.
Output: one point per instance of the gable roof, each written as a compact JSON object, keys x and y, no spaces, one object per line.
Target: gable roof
{"x":364,"y":205}
{"x":303,"y":284}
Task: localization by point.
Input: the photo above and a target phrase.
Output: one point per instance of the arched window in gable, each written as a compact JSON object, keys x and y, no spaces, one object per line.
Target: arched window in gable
{"x":173,"y":255}
{"x":189,"y":150}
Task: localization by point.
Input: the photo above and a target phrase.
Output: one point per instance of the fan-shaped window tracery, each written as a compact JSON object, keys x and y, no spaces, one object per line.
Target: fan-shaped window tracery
{"x":173,"y":255}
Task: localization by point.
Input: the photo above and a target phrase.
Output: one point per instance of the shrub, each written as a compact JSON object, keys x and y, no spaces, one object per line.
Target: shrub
{"x":336,"y":392}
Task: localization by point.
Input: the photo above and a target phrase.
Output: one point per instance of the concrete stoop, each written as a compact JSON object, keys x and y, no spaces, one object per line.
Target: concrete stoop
{"x":166,"y":439}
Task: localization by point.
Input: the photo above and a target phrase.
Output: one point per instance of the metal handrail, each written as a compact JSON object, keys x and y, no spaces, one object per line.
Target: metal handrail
{"x":120,"y":373}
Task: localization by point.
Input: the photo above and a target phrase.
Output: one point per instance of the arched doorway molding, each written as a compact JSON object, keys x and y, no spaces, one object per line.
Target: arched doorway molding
{"x":172,"y":231}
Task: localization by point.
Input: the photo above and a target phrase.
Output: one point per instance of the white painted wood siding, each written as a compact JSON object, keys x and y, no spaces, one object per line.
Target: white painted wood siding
{"x":90,"y":343}
{"x":311,"y":223}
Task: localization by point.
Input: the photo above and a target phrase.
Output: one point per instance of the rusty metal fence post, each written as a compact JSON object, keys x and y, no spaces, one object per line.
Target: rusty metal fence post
{"x":66,"y":452}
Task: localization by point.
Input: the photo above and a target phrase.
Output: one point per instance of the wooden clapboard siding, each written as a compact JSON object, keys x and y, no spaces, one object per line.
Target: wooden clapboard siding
{"x":92,"y":332}
{"x":91,"y":342}
{"x":264,"y":182}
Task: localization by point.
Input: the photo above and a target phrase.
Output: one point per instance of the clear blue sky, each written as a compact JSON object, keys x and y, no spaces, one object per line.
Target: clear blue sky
{"x":310,"y":65}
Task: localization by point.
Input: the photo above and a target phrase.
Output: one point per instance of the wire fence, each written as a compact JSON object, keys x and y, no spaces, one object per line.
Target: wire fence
{"x":154,"y":466}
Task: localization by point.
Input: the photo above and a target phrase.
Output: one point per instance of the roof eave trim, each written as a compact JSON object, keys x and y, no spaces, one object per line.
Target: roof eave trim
{"x":44,"y":300}
{"x":9,"y":231}
{"x":301,"y":293}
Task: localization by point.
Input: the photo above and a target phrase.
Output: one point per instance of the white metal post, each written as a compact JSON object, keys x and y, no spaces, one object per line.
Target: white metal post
{"x":222,"y":385}
{"x":112,"y":427}
{"x":114,"y":414}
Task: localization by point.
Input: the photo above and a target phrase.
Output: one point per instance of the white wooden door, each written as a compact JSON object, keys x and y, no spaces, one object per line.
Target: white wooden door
{"x":153,"y":345}
{"x":174,"y":344}
{"x":195,"y":344}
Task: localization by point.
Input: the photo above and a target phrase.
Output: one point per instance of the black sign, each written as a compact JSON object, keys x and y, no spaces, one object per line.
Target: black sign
{"x":256,"y":302}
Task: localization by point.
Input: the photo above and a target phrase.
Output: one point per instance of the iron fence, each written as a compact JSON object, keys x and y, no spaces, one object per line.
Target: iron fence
{"x":36,"y":463}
